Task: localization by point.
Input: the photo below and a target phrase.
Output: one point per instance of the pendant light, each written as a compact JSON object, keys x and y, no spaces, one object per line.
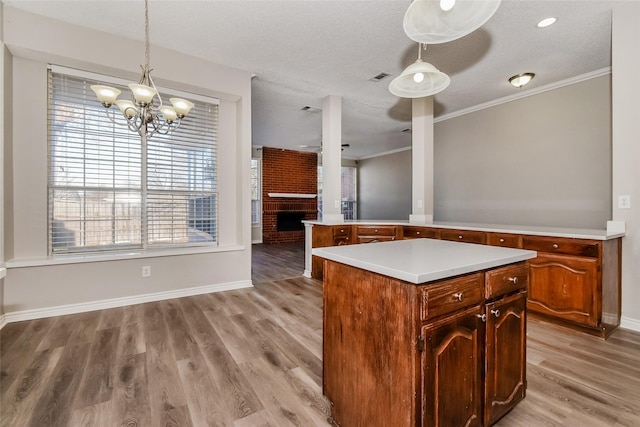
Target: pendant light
{"x":441,"y":21}
{"x":419,"y":79}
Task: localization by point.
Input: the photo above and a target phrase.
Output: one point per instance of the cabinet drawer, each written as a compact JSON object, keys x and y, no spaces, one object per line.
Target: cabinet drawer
{"x":372,"y":230}
{"x":505,"y":280}
{"x":374,"y":239}
{"x":411,"y":232}
{"x":340,"y":231}
{"x":559,"y":245}
{"x":451,"y":295}
{"x":502,"y":239}
{"x":468,"y":236}
{"x":340,"y":240}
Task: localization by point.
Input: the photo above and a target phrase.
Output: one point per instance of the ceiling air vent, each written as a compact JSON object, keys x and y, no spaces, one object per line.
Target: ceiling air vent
{"x":311,"y":109}
{"x":379,"y":77}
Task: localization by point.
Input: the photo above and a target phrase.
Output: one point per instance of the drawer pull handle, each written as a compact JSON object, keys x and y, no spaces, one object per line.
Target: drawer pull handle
{"x":482,"y":317}
{"x":459,"y":237}
{"x":501,"y":240}
{"x":458,"y":297}
{"x":496,"y":312}
{"x":513,"y":279}
{"x":418,"y":233}
{"x":376,"y":231}
{"x":555,"y":246}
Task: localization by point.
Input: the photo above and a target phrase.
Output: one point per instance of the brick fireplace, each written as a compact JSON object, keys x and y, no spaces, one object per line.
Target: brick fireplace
{"x":291,"y":177}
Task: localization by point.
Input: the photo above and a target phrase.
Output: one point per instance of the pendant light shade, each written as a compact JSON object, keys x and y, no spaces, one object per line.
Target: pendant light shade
{"x":441,"y":21}
{"x":418,"y":80}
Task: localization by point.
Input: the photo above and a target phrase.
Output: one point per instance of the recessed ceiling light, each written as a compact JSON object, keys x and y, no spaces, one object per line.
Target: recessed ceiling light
{"x":519,"y":80}
{"x":546,"y":22}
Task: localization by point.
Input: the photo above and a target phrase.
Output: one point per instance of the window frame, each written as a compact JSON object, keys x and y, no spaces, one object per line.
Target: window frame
{"x":189,"y":197}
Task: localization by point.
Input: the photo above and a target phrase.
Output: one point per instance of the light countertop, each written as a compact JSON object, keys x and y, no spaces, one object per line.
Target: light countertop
{"x":423,"y":260}
{"x":576,"y":233}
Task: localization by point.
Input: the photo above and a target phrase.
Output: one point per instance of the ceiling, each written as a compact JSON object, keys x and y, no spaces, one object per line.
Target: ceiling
{"x":302,"y":51}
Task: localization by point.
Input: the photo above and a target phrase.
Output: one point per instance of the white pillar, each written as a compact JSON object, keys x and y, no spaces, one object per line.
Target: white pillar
{"x":422,"y":161}
{"x":331,"y":159}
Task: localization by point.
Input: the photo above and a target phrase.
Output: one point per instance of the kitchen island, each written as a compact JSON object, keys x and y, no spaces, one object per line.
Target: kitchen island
{"x":423,"y":332}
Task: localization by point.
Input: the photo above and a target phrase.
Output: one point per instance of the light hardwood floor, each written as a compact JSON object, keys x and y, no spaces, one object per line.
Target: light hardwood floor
{"x":252,"y":357}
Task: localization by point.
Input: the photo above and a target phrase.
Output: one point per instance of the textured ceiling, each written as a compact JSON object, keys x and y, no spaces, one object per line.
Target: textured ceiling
{"x":302,"y":51}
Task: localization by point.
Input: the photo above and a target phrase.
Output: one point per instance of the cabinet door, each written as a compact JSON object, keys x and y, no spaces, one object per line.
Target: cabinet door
{"x":452,"y":371}
{"x":565,"y":287}
{"x":505,"y":378}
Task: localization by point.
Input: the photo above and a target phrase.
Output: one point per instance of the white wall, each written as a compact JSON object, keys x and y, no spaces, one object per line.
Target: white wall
{"x":33,"y":282}
{"x":384,"y":187}
{"x":626,"y":150}
{"x":541,"y":160}
{"x":2,"y":85}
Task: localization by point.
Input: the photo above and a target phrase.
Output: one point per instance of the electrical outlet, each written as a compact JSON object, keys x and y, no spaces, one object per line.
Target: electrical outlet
{"x":146,"y":271}
{"x":624,"y":202}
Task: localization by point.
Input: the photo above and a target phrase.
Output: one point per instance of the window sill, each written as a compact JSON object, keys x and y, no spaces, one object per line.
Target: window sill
{"x":115,"y":256}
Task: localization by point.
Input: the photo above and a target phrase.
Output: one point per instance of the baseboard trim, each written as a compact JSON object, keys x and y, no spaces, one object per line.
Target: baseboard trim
{"x":629,"y":323}
{"x":61,"y":310}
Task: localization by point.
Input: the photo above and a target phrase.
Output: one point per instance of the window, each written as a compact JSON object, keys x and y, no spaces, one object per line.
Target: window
{"x":255,"y":191}
{"x":349,"y":189}
{"x":108,"y":191}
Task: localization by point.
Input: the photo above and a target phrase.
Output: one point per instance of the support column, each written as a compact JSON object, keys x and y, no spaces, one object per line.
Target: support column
{"x":331,"y":159}
{"x":422,"y":161}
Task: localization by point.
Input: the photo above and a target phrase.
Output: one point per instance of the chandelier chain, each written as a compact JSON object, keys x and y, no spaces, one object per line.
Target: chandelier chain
{"x":146,"y":32}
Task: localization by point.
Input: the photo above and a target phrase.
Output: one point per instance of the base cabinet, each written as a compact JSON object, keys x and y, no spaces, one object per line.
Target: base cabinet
{"x":446,"y":353}
{"x":452,"y":371}
{"x":565,"y":287}
{"x":505,"y":343}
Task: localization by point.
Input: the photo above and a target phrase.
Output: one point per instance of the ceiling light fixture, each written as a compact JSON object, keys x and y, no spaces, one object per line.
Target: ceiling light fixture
{"x":441,"y":21}
{"x":519,"y":80}
{"x":143,"y":114}
{"x":546,"y":22}
{"x":419,"y":79}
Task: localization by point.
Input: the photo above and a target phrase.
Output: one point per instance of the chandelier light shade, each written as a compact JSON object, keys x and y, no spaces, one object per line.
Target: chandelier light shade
{"x":145,"y":112}
{"x":520,"y":80}
{"x":441,"y":21}
{"x":418,"y":80}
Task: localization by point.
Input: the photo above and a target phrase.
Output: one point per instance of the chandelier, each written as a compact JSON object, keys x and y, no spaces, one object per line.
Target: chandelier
{"x":419,"y":79}
{"x":143,"y":113}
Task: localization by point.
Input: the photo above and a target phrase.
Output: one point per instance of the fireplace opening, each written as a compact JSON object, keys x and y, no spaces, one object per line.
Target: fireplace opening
{"x":290,"y":221}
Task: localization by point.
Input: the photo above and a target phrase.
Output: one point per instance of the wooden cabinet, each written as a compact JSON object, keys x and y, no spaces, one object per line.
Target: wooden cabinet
{"x":452,"y":366}
{"x":466,"y":236}
{"x":574,"y":282}
{"x":565,"y":287}
{"x":446,"y":353}
{"x":505,"y":345}
{"x":414,"y":232}
{"x":375,"y":233}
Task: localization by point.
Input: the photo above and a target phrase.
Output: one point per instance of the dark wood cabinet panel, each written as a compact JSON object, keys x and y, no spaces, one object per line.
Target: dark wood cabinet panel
{"x":504,"y":239}
{"x":451,"y":295}
{"x":505,"y":343}
{"x":505,"y":280}
{"x":415,"y":232}
{"x":466,"y":236}
{"x":452,"y":366}
{"x":561,"y":245}
{"x":565,"y":287}
{"x":375,"y":233}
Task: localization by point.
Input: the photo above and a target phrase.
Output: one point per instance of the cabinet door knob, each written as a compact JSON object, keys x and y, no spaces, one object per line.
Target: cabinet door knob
{"x":513,"y":279}
{"x":496,"y":312}
{"x":482,"y":317}
{"x":555,"y":246}
{"x":458,"y":296}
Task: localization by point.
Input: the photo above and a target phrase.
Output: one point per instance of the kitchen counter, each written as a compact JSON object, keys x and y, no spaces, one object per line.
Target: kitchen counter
{"x":423,"y":260}
{"x":575,"y":233}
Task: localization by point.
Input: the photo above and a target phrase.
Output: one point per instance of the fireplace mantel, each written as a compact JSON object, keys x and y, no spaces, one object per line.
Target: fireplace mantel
{"x":293,"y":195}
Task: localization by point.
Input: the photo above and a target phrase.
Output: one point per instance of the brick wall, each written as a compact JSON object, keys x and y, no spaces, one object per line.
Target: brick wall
{"x":287,"y":171}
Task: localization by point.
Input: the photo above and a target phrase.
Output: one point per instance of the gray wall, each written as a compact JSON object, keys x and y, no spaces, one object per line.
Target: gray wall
{"x":384,"y":187}
{"x":540,"y":160}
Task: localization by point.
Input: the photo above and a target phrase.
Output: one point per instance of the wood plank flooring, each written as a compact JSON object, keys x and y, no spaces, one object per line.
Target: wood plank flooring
{"x":252,"y":357}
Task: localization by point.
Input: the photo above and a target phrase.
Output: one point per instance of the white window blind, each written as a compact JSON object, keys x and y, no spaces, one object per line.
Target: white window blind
{"x":256,"y":206}
{"x":99,"y":197}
